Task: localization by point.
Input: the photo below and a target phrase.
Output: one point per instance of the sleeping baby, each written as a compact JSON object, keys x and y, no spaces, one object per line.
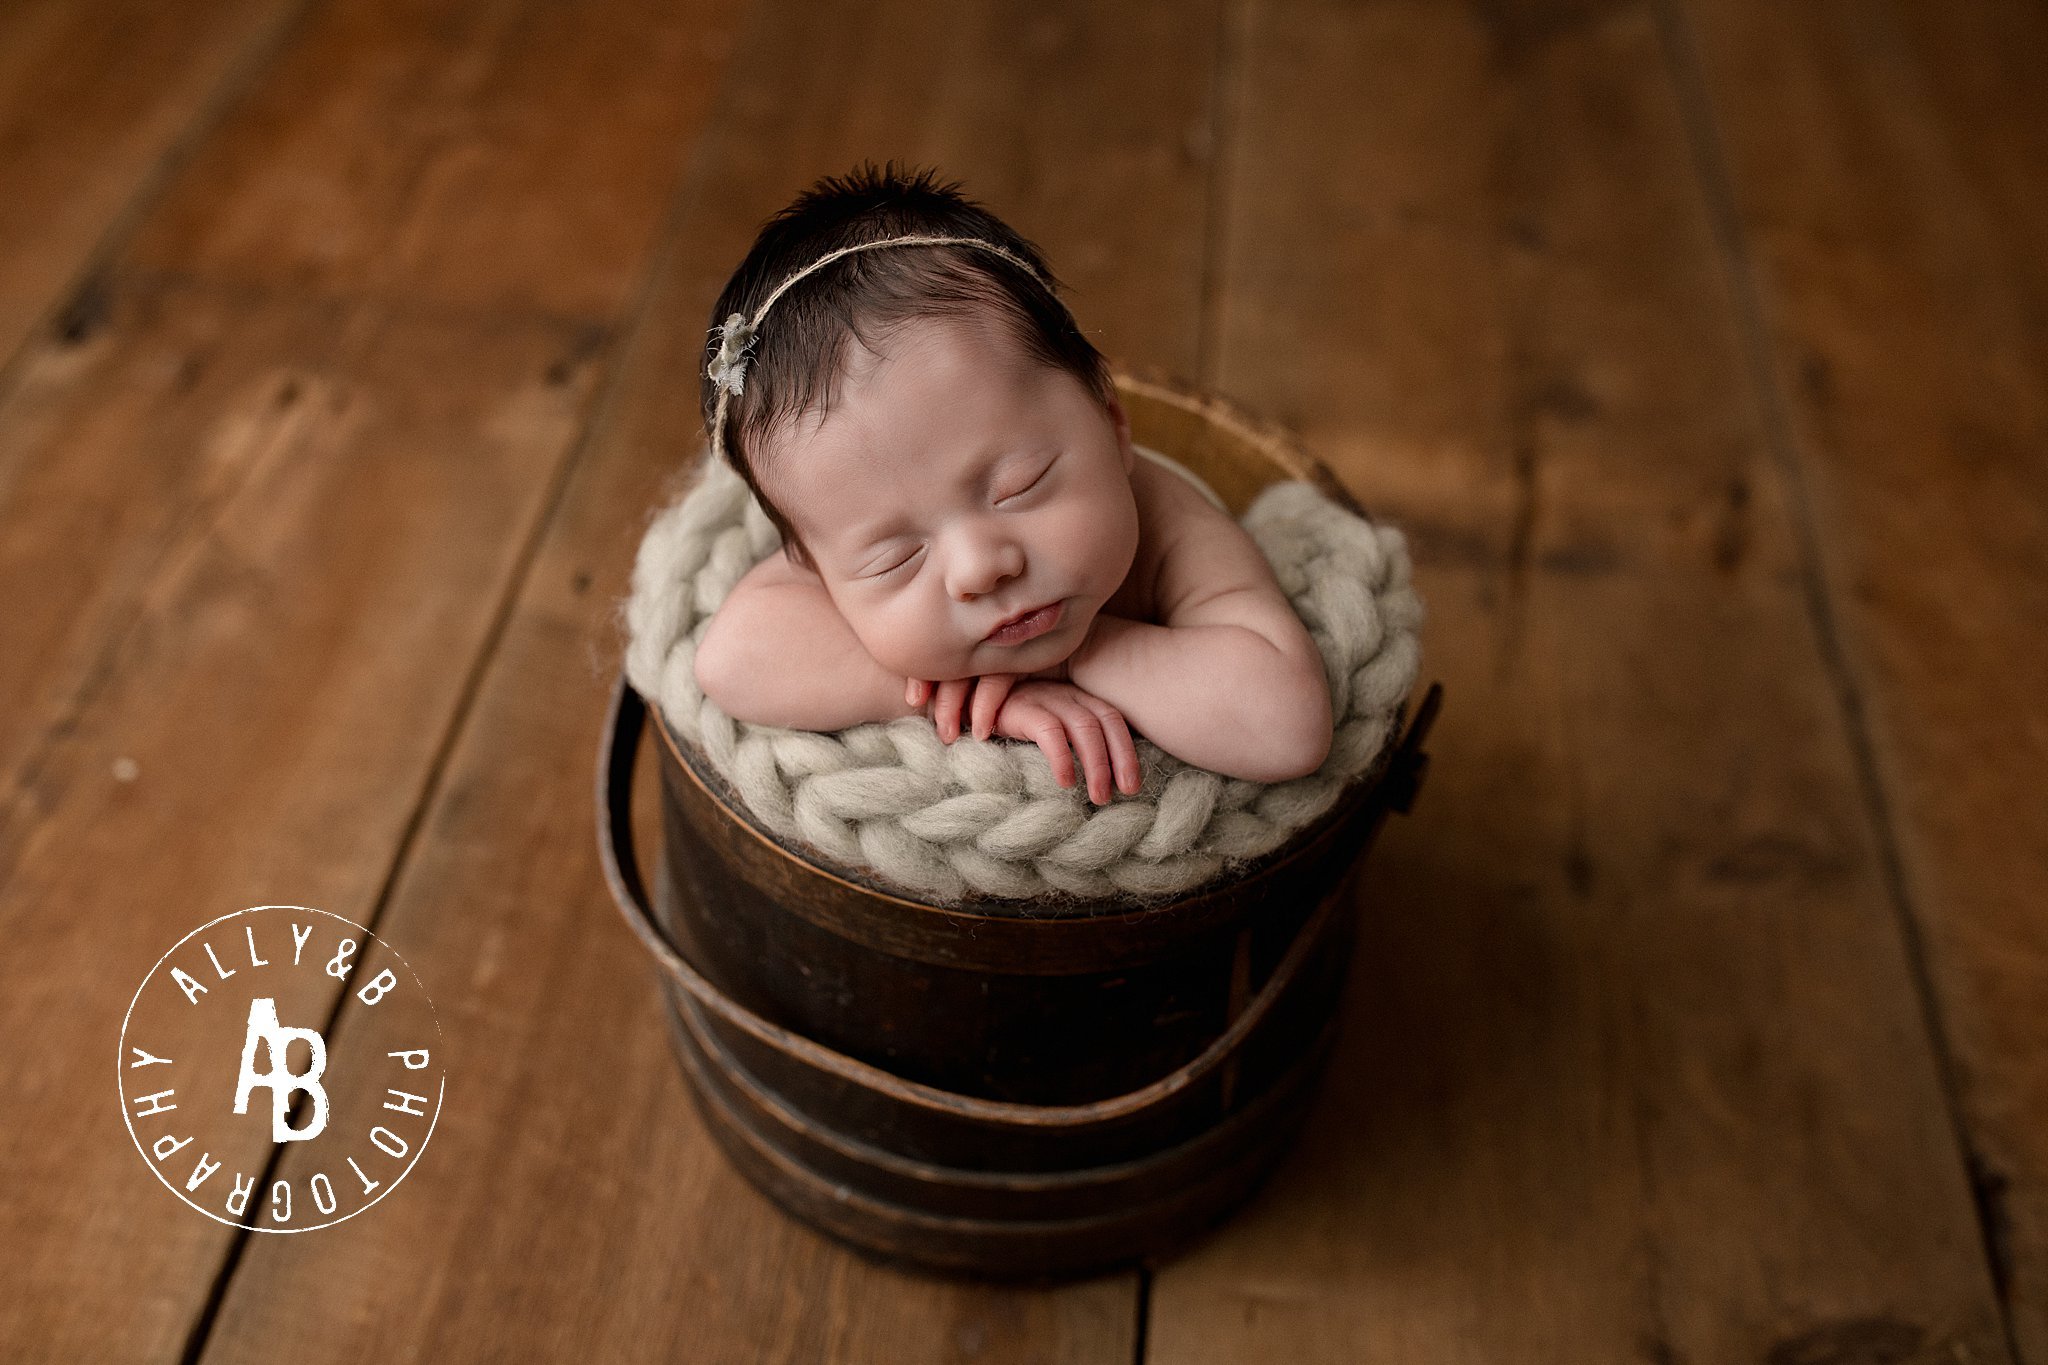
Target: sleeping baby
{"x":967,"y":530}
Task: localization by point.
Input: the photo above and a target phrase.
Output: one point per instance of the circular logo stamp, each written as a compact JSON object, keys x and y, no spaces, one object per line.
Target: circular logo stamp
{"x":280,"y":1069}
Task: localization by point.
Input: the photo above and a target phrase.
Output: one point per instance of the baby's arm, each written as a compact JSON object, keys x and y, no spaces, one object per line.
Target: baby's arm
{"x":1232,"y":682}
{"x":778,"y":652}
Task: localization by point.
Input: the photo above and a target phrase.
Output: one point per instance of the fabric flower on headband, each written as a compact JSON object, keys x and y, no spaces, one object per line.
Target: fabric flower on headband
{"x":728,"y":369}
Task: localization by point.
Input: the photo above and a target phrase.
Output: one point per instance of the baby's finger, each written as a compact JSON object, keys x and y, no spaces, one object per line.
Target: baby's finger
{"x":989,"y":695}
{"x":1050,"y":734}
{"x":1084,"y":729}
{"x":952,"y":700}
{"x":1123,"y":750}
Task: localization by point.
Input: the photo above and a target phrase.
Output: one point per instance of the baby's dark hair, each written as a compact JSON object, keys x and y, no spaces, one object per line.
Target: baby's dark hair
{"x":799,"y":354}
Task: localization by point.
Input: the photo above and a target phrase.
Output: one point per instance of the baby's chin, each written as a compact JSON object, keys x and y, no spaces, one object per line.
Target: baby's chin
{"x":1033,"y":656}
{"x":1047,"y":651}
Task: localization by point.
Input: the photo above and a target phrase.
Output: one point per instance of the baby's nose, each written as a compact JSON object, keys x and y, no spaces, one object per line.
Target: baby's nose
{"x":980,"y":570}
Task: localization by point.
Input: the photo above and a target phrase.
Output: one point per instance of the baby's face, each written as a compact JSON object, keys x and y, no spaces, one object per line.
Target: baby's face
{"x":955,"y":485}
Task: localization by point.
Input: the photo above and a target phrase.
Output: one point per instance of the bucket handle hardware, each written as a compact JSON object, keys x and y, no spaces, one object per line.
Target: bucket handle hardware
{"x":627,"y":716}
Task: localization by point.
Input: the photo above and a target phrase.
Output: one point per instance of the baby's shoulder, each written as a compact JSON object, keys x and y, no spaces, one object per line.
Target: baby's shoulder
{"x":775,"y":569}
{"x":1198,"y":552}
{"x":1168,"y":508}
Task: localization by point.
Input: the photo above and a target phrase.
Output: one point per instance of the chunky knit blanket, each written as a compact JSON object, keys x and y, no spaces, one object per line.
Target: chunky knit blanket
{"x":986,"y":818}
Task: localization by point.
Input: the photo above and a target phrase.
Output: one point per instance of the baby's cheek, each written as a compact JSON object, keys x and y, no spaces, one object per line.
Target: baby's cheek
{"x":910,"y":643}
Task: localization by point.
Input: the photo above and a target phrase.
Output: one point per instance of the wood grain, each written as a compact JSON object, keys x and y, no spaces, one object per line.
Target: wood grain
{"x":570,"y":1129}
{"x":94,"y":100}
{"x":1697,"y":343}
{"x":257,"y":540}
{"x":1634,"y":1068}
{"x":279,"y":692}
{"x":1884,"y":178}
{"x":490,"y":156}
{"x":341,"y":132}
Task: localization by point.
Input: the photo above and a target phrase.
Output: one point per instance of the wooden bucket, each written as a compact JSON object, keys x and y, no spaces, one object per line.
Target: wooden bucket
{"x":984,"y":1091}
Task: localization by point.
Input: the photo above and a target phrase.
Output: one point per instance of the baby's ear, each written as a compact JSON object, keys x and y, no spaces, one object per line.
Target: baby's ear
{"x":1123,"y":432}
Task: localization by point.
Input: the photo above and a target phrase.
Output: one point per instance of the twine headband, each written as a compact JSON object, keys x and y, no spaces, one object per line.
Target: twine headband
{"x":727,"y":367}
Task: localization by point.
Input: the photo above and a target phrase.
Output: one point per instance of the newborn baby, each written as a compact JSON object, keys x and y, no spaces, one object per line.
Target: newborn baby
{"x":967,"y":530}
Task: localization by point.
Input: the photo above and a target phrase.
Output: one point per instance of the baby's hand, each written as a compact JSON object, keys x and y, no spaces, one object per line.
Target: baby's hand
{"x":946,"y":702}
{"x":949,"y":705}
{"x":1050,"y":714}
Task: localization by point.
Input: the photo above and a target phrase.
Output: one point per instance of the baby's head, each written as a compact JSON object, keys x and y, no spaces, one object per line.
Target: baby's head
{"x":925,"y":426}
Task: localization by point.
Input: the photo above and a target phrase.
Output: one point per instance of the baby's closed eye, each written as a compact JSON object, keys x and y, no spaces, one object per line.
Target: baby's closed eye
{"x":899,"y":561}
{"x":1035,"y":482}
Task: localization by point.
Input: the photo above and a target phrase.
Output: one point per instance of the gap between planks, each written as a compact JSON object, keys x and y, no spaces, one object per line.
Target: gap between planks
{"x":1717,"y":187}
{"x":242,"y":75}
{"x":1226,"y":92}
{"x":630,"y":329}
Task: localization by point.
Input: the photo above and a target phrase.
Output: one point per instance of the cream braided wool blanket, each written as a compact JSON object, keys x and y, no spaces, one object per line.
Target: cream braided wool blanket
{"x":985,"y":818}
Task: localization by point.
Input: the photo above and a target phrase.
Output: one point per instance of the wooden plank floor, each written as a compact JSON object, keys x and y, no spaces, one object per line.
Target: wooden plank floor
{"x":1701,"y":346}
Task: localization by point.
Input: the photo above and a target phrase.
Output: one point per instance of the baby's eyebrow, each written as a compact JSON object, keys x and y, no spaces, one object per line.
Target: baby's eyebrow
{"x":870,"y":535}
{"x":864,"y":538}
